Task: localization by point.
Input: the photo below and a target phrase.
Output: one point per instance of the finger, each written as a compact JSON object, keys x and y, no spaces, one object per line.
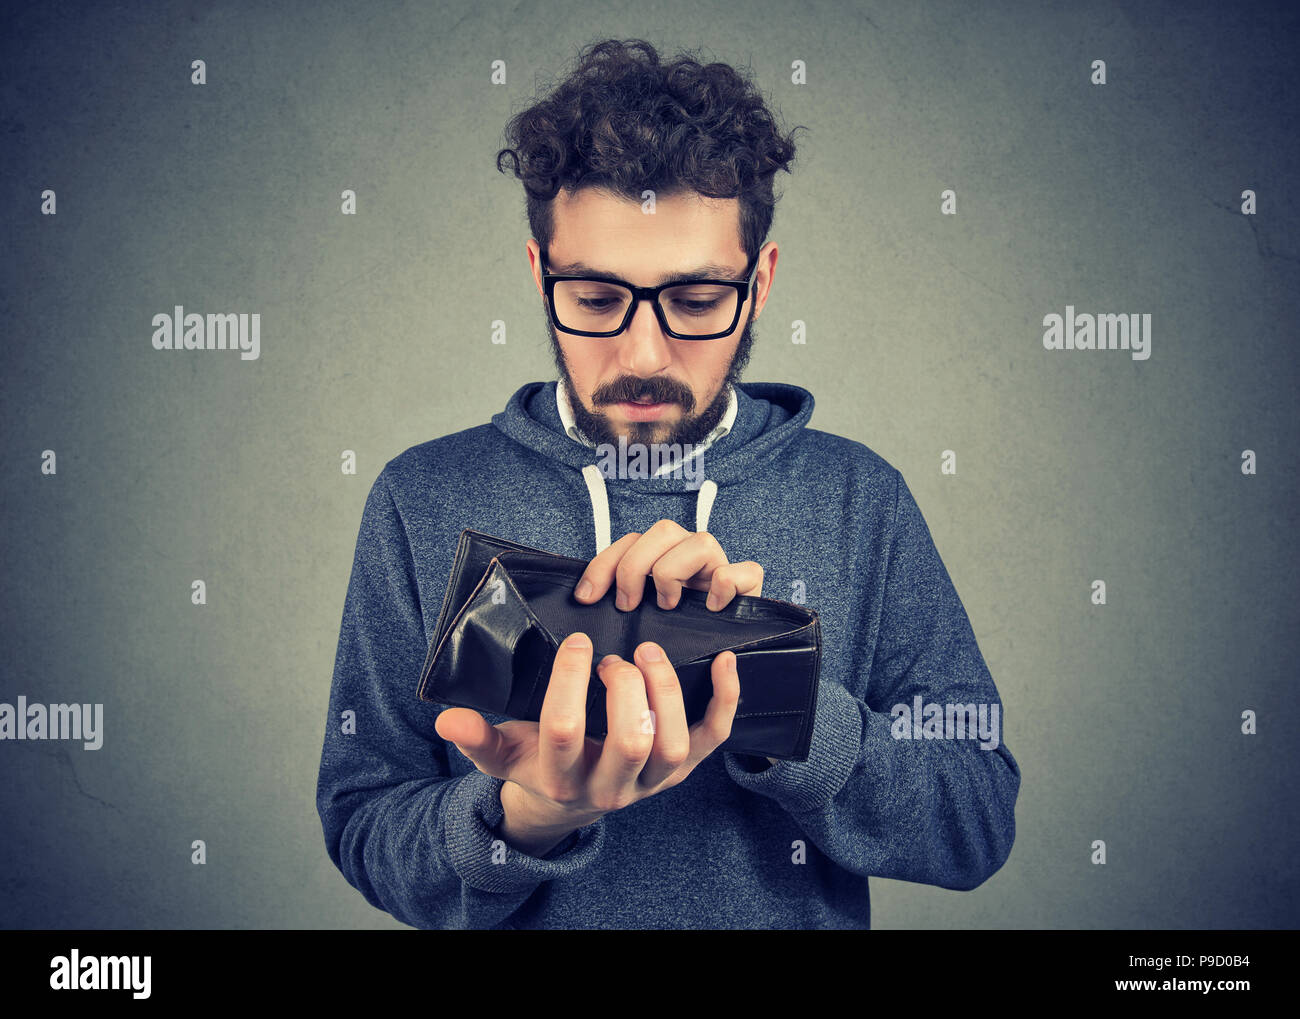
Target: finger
{"x":712,"y":730}
{"x":691,"y":562}
{"x":665,"y":717}
{"x":632,"y":570}
{"x":733,"y":579}
{"x":613,"y":781}
{"x":487,"y":747}
{"x":562,"y":724}
{"x":600,"y":571}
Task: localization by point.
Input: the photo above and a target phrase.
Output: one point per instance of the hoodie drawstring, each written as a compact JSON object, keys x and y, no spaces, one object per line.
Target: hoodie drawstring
{"x":704,"y":503}
{"x":600,"y":504}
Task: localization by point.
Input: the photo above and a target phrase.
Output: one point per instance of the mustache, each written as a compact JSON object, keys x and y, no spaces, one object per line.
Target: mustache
{"x":631,"y":390}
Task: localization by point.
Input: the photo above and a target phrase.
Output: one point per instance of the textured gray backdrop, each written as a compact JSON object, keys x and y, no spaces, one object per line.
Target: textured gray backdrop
{"x":924,"y":334}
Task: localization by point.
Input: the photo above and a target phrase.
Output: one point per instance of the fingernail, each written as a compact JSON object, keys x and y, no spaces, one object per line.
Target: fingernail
{"x":585,"y":588}
{"x":620,"y":600}
{"x":577,"y":640}
{"x":651,"y":653}
{"x":713,"y":600}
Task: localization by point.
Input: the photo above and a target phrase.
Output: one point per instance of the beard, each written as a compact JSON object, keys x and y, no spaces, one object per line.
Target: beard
{"x":692,"y":429}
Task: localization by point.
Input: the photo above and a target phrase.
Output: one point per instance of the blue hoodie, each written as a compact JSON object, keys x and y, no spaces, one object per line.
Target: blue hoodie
{"x":888,"y":788}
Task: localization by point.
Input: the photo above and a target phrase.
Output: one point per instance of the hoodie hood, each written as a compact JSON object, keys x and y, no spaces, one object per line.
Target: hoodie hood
{"x":769,"y":416}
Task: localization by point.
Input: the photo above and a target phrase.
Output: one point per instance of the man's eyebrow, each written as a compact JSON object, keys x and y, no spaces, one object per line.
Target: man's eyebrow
{"x":709,"y":270}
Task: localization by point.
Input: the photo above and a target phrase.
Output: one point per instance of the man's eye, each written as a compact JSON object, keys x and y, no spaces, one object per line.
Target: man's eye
{"x":695,"y":307}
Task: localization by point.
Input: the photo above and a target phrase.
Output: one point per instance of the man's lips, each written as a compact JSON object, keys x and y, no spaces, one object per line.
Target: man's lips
{"x":642,"y":411}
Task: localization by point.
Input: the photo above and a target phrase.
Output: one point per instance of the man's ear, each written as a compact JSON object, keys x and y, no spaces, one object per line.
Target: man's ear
{"x":535,"y":267}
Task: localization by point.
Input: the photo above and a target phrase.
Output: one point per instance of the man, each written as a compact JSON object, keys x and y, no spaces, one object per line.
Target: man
{"x":448,"y":818}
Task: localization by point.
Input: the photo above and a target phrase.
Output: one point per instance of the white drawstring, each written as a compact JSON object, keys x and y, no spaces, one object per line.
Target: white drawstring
{"x":704,"y":504}
{"x":600,"y":504}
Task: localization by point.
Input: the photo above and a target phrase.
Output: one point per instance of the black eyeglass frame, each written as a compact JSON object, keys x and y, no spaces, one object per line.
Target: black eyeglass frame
{"x":744,"y":289}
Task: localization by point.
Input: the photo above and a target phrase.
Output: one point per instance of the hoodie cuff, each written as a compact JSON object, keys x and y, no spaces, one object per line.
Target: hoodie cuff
{"x":801,"y":786}
{"x":473,"y":812}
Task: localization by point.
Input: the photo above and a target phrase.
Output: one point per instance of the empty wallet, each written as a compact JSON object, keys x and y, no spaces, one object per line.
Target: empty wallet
{"x":508,"y":607}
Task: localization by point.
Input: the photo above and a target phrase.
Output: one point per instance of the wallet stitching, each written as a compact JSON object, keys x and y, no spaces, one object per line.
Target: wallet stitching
{"x":810,"y":698}
{"x":810,"y":708}
{"x":767,"y":714}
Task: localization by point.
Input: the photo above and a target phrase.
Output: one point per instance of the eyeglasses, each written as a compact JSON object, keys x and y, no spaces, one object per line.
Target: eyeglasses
{"x":603,"y":305}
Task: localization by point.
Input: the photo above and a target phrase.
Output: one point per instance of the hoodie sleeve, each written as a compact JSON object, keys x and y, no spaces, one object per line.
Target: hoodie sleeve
{"x":936,"y":811}
{"x":411,"y":838}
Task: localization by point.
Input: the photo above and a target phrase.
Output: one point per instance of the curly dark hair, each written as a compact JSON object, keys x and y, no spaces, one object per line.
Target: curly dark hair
{"x":624,"y":122}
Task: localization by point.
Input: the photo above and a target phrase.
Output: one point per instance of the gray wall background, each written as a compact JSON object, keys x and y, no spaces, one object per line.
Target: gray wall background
{"x":924,"y":334}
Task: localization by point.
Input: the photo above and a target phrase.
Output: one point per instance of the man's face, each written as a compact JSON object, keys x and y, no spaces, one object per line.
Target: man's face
{"x":685,"y":379}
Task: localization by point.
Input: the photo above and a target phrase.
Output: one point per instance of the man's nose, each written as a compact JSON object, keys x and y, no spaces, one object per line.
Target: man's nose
{"x":644,"y":348}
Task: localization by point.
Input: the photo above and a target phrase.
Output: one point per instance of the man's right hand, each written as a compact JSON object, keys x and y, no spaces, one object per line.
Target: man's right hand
{"x":557,"y":778}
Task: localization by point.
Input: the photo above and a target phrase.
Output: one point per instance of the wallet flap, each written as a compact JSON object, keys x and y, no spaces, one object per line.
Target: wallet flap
{"x":474,"y":551}
{"x":489,"y":654}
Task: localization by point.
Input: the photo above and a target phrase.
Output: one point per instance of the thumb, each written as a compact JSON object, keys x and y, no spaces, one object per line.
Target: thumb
{"x":485,"y":745}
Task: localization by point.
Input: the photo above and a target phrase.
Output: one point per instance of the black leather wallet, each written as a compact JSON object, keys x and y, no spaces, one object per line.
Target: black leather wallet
{"x":508,"y":607}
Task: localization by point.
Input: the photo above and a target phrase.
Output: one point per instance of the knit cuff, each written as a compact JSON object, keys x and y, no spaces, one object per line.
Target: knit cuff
{"x":473,"y":812}
{"x":800,"y":786}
